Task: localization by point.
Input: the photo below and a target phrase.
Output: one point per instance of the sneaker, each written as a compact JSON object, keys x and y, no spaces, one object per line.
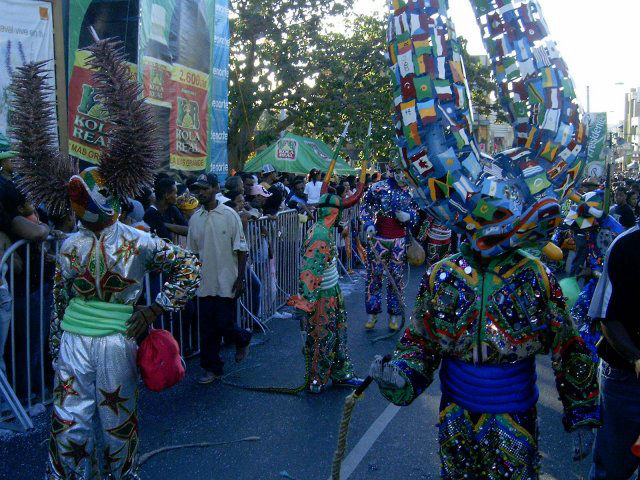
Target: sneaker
{"x":371,"y":322}
{"x":242,"y":353}
{"x":208,"y":377}
{"x":394,"y":323}
{"x":351,"y":382}
{"x":315,"y":388}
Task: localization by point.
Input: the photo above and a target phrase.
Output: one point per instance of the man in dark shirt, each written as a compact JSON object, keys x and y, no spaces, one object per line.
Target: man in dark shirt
{"x":163,"y":217}
{"x":622,"y":211}
{"x":614,"y":303}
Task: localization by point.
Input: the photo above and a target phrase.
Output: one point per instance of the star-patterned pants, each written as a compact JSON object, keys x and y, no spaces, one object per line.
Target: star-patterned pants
{"x":94,"y":375}
{"x":393,"y":252}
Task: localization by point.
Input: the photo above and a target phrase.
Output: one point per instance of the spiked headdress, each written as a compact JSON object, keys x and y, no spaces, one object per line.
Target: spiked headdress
{"x":126,"y":165}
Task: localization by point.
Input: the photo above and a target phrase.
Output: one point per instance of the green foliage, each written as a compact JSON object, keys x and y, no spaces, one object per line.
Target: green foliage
{"x":284,"y":57}
{"x":482,"y":85}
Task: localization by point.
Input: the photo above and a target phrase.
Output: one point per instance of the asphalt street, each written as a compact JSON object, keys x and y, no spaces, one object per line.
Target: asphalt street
{"x":297,"y":435}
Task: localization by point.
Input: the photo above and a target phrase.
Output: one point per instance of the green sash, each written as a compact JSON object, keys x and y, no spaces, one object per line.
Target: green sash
{"x":94,"y":318}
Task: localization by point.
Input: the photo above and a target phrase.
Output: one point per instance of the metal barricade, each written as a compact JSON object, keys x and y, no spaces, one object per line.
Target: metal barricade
{"x":273,"y":267}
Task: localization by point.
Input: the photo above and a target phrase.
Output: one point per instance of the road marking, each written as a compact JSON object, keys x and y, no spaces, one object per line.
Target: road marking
{"x":366,"y":442}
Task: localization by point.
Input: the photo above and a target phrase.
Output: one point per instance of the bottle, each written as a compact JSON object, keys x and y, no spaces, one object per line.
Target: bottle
{"x":190,"y":47}
{"x":87,"y":128}
{"x":158,"y":88}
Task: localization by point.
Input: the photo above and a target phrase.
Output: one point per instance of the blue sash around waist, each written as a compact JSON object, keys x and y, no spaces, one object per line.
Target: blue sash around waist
{"x":505,"y":388}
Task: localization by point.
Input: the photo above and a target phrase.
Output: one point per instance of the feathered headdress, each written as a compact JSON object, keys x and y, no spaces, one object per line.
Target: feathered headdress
{"x":128,"y":162}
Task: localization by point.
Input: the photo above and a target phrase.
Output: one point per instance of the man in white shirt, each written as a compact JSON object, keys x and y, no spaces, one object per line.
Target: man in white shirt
{"x":217,"y":237}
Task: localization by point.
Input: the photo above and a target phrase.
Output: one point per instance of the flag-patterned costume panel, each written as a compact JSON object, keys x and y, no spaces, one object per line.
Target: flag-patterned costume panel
{"x":498,"y":203}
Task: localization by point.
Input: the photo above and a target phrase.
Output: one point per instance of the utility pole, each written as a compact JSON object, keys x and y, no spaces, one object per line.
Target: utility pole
{"x":588,"y":100}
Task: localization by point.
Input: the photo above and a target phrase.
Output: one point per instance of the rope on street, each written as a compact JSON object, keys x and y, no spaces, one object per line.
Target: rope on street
{"x":343,"y":432}
{"x":145,"y":457}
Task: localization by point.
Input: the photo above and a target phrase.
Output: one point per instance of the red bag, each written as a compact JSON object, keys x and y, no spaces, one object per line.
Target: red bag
{"x":159,"y":361}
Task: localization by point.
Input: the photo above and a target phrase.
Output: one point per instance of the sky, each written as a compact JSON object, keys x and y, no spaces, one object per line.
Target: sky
{"x":599,"y":41}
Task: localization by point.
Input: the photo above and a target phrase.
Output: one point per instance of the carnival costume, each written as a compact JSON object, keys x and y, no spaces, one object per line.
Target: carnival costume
{"x":436,"y":237}
{"x":100,"y":269}
{"x":320,"y":298}
{"x":590,"y":227}
{"x":483,"y":315}
{"x":387,"y":211}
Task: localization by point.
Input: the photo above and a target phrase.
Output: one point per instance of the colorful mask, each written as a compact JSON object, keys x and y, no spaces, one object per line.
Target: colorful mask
{"x":513,"y":199}
{"x":91,"y":201}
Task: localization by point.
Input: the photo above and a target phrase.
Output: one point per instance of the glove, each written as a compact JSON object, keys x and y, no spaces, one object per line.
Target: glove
{"x":141,"y":319}
{"x":402,"y":216}
{"x":387,"y":375}
{"x":583,"y":438}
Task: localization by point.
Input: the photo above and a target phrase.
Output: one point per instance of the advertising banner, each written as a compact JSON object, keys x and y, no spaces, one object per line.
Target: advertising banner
{"x":26,"y":35}
{"x":220,"y":91}
{"x":175,"y":45}
{"x":597,"y":127}
{"x":87,"y":128}
{"x":179,"y":51}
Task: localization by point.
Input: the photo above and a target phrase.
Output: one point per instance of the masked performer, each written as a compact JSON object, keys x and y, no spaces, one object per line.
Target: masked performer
{"x":590,"y":226}
{"x":387,"y":211}
{"x":100,"y":270}
{"x":484,"y":314}
{"x":320,"y":299}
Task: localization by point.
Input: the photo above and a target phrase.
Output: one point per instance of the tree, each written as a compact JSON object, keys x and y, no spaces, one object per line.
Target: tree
{"x":281,"y":60}
{"x":352,"y":84}
{"x":481,"y":85}
{"x":271,"y":45}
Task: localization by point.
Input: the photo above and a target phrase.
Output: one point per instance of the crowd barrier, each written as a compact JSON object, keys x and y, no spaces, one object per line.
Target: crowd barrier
{"x":27,"y":269}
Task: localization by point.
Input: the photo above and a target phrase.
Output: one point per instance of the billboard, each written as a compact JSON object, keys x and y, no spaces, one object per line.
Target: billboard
{"x":181,"y":64}
{"x":26,"y":35}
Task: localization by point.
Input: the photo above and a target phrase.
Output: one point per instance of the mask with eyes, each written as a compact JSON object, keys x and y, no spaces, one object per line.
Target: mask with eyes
{"x":91,"y":201}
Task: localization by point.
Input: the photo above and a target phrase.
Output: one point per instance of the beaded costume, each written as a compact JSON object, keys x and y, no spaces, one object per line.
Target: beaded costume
{"x":522,"y":314}
{"x":320,"y":298}
{"x":379,"y":207}
{"x":100,"y":269}
{"x":593,"y":231}
{"x":483,"y":315}
{"x":436,"y":237}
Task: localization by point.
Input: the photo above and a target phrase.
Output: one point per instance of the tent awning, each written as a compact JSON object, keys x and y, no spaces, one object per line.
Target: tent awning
{"x":294,"y":154}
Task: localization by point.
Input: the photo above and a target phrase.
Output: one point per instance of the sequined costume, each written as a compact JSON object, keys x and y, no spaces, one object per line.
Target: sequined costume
{"x":378,"y":209}
{"x":436,"y":237}
{"x":320,"y":298}
{"x":494,"y":316}
{"x":483,"y":315}
{"x":100,"y":269}
{"x":96,"y":372}
{"x":592,"y":232}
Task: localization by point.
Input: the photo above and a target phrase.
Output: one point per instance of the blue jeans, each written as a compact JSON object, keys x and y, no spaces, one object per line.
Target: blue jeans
{"x":620,"y":400}
{"x":5,"y":321}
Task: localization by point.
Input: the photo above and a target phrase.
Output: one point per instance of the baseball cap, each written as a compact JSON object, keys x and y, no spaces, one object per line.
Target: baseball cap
{"x":268,"y":168}
{"x":205,"y":180}
{"x":259,"y":190}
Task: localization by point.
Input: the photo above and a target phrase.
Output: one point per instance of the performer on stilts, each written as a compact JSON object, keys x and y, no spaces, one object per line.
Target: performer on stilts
{"x":320,"y":299}
{"x":100,"y":269}
{"x":388,"y":213}
{"x":484,"y":314}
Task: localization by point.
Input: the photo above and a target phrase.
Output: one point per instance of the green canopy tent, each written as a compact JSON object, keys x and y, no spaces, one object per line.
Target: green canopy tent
{"x":294,"y":154}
